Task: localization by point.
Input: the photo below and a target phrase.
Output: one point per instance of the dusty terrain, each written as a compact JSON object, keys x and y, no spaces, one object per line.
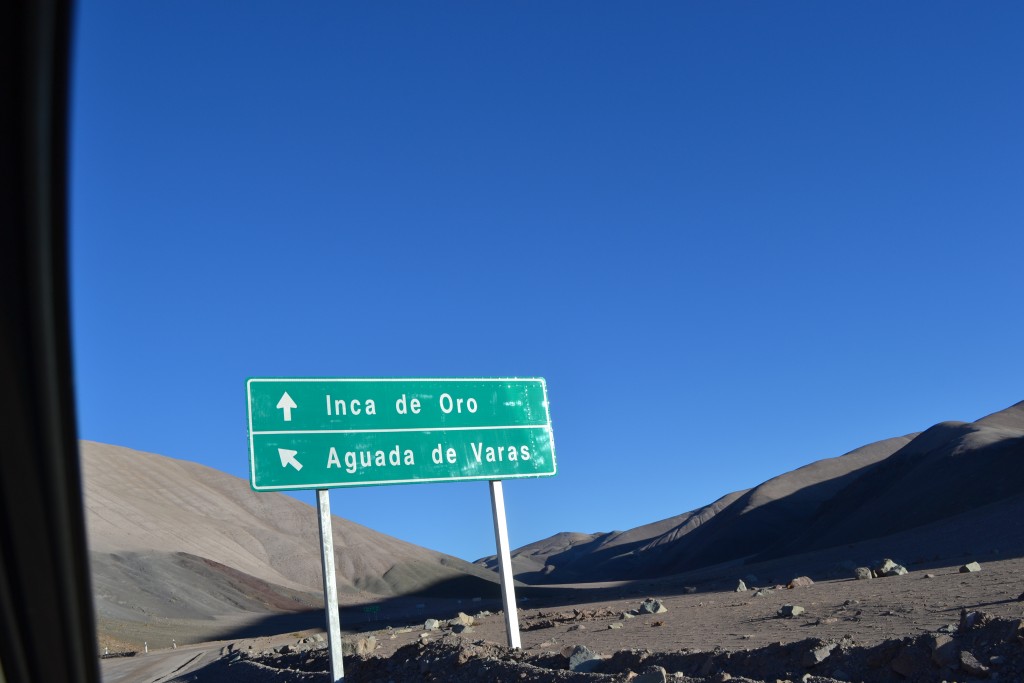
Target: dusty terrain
{"x":192,"y":565}
{"x":881,"y":629}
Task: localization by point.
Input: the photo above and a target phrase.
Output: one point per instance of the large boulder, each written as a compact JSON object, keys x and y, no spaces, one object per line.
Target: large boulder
{"x":789,"y":611}
{"x":944,"y":650}
{"x":462,"y":619}
{"x":365,"y":646}
{"x":971,"y":666}
{"x":583,"y":659}
{"x":652,"y":606}
{"x":817,"y":655}
{"x":652,"y":674}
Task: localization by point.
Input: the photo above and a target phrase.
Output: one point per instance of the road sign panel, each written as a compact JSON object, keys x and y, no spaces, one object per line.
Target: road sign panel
{"x":315,"y":433}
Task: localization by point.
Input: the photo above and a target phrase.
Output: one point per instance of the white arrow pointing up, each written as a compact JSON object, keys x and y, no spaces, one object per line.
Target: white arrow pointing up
{"x":288,"y":458}
{"x":286,"y":404}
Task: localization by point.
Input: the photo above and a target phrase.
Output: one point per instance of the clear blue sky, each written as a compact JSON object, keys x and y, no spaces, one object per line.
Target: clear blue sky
{"x":734,"y":237}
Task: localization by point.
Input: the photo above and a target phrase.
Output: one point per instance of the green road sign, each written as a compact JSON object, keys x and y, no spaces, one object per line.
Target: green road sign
{"x":313,"y":433}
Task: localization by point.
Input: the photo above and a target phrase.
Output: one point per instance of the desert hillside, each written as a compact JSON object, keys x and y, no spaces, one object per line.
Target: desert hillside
{"x":940,"y":491}
{"x":171,"y":539}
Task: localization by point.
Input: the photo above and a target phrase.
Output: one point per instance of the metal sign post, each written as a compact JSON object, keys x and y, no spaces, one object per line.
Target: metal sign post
{"x":508,"y":590}
{"x":323,"y":506}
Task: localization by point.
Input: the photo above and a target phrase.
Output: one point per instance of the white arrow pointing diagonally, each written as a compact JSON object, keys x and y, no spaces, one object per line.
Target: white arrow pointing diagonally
{"x":287,"y":405}
{"x":288,"y":458}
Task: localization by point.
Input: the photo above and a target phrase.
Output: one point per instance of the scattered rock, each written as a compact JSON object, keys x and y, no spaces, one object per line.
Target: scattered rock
{"x":944,"y":650}
{"x":888,"y":568}
{"x":970,"y":568}
{"x":656,"y":624}
{"x":762,"y":592}
{"x":652,"y":674}
{"x":972,"y":619}
{"x":741,"y":587}
{"x":364,"y":646}
{"x":800,"y":582}
{"x":460,"y":628}
{"x":627,"y":615}
{"x":583,"y":659}
{"x":539,"y":624}
{"x":929,"y":576}
{"x":577,"y":627}
{"x":818,"y":655}
{"x":431,"y":625}
{"x":651,"y":606}
{"x":862,"y":573}
{"x":971,"y":666}
{"x":462,"y":619}
{"x":913,"y":662}
{"x":615,"y":625}
{"x":886,"y":565}
{"x":789,"y":611}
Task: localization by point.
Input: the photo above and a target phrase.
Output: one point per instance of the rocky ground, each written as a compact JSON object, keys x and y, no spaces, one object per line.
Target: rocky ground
{"x":930,"y":624}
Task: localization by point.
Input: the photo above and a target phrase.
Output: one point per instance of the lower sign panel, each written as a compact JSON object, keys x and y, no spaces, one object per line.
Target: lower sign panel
{"x":329,"y":460}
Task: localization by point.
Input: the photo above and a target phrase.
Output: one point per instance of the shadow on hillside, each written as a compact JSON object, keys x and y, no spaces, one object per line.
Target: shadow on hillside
{"x":442,"y":600}
{"x":445,"y":599}
{"x":439,"y":600}
{"x":955,"y":499}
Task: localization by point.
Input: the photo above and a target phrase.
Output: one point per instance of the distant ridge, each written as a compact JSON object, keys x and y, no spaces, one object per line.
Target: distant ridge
{"x":957,"y":475}
{"x":171,"y":539}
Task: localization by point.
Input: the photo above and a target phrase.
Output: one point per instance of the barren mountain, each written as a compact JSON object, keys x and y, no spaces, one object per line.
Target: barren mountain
{"x":955,"y":475}
{"x":171,"y":539}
